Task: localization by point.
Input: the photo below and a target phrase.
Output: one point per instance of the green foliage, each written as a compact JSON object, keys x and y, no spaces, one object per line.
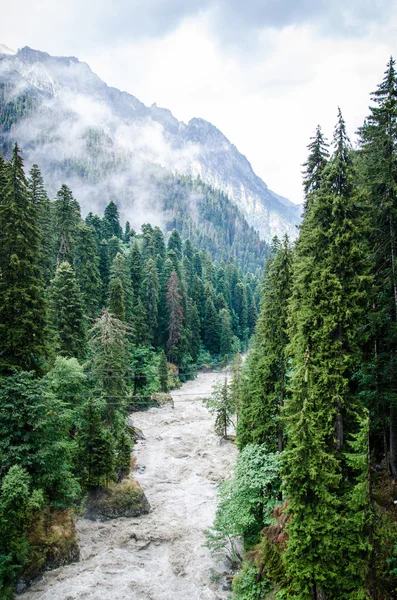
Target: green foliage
{"x":66,"y":313}
{"x":22,"y":306}
{"x":245,"y":503}
{"x":246,"y":585}
{"x":221,"y":405}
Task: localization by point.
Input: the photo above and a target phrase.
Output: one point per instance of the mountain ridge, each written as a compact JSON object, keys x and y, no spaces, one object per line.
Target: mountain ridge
{"x":66,"y":90}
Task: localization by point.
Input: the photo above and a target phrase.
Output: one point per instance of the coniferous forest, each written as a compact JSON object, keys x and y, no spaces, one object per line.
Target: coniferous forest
{"x":97,"y":321}
{"x":94,"y":319}
{"x":313,"y":497}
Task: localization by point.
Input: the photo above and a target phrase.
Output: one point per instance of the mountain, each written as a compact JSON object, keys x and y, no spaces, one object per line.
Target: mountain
{"x":103,"y":141}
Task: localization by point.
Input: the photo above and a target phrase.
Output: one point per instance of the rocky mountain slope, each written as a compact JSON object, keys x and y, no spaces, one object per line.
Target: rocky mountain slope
{"x":103,"y":142}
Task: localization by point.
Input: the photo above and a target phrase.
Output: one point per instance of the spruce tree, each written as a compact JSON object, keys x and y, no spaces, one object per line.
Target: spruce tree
{"x":66,"y":313}
{"x":22,"y":306}
{"x":326,"y":312}
{"x":136,"y":270}
{"x":87,"y":269}
{"x":378,"y":143}
{"x":227,"y":339}
{"x":117,"y":298}
{"x":66,"y":219}
{"x":150,"y":297}
{"x":163,"y":372}
{"x":38,"y":196}
{"x":111,"y":222}
{"x":211,"y":327}
{"x":264,"y":388}
{"x":315,"y":164}
{"x":175,"y":315}
{"x":119,"y":270}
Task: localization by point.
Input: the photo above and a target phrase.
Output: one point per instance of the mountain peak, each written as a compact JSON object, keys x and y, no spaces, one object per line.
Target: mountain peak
{"x":6,"y":50}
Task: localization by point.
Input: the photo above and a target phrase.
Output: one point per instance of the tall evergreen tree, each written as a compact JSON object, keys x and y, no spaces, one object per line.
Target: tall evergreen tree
{"x":150,"y":297}
{"x":175,"y":315}
{"x":111,"y":222}
{"x":326,"y":311}
{"x":22,"y":306}
{"x":264,"y":388}
{"x":315,"y":164}
{"x":66,"y":219}
{"x":66,"y":313}
{"x":87,"y":269}
{"x":38,"y":196}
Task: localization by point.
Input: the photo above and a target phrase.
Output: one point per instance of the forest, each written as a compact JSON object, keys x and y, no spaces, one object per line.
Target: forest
{"x":311,"y":511}
{"x":94,"y":319}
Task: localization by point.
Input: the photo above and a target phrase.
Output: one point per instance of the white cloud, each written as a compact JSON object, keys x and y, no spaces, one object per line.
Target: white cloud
{"x":267,"y":98}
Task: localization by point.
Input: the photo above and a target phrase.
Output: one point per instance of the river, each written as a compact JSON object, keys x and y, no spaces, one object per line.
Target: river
{"x":159,"y":556}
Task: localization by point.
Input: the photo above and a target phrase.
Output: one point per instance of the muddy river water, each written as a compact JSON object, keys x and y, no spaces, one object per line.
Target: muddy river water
{"x":159,"y":556}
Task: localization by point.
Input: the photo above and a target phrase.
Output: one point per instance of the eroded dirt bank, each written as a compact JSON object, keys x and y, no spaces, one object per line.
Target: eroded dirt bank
{"x":159,"y":556}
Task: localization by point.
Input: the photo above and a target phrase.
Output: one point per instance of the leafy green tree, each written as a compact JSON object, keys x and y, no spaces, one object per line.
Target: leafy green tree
{"x":22,"y":306}
{"x":221,"y":405}
{"x":66,"y":313}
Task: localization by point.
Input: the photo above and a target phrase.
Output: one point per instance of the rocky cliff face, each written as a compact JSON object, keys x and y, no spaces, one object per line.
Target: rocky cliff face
{"x":76,"y":127}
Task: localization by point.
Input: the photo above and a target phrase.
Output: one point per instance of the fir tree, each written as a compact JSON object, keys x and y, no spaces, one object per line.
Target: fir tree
{"x":163,"y":372}
{"x":87,"y":269}
{"x":66,"y":219}
{"x":211,"y":329}
{"x":117,"y":298}
{"x":136,"y":270}
{"x":119,"y":270}
{"x":150,"y":297}
{"x":227,"y":339}
{"x":315,"y":164}
{"x":22,"y":307}
{"x":111,"y":222}
{"x":264,"y":388}
{"x":66,"y":313}
{"x":175,"y":315}
{"x":38,"y":196}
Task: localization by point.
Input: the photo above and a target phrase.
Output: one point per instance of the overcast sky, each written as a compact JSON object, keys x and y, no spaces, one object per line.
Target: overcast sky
{"x":265,"y":72}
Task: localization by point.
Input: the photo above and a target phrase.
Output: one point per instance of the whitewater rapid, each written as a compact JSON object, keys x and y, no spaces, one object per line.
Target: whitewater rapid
{"x":159,"y":556}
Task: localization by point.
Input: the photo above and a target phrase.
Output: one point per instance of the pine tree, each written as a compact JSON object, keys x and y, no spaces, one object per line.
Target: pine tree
{"x":140,"y":329}
{"x":326,"y":312}
{"x":211,"y":328}
{"x":378,"y":143}
{"x":119,"y":270}
{"x":111,"y":222}
{"x":315,"y":164}
{"x":87,"y":269}
{"x":136,"y":270}
{"x":150,"y":297}
{"x":66,"y":313}
{"x":227,"y":339}
{"x":117,"y":298}
{"x":175,"y":244}
{"x":163,"y":372}
{"x":66,"y":219}
{"x":175,"y":315}
{"x":95,"y":454}
{"x":264,"y":389}
{"x":38,"y":196}
{"x":110,"y":362}
{"x":22,"y":307}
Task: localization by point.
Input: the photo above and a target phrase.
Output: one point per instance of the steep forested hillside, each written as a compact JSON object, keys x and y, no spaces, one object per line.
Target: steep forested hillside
{"x":95,"y":320}
{"x":313,"y":497}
